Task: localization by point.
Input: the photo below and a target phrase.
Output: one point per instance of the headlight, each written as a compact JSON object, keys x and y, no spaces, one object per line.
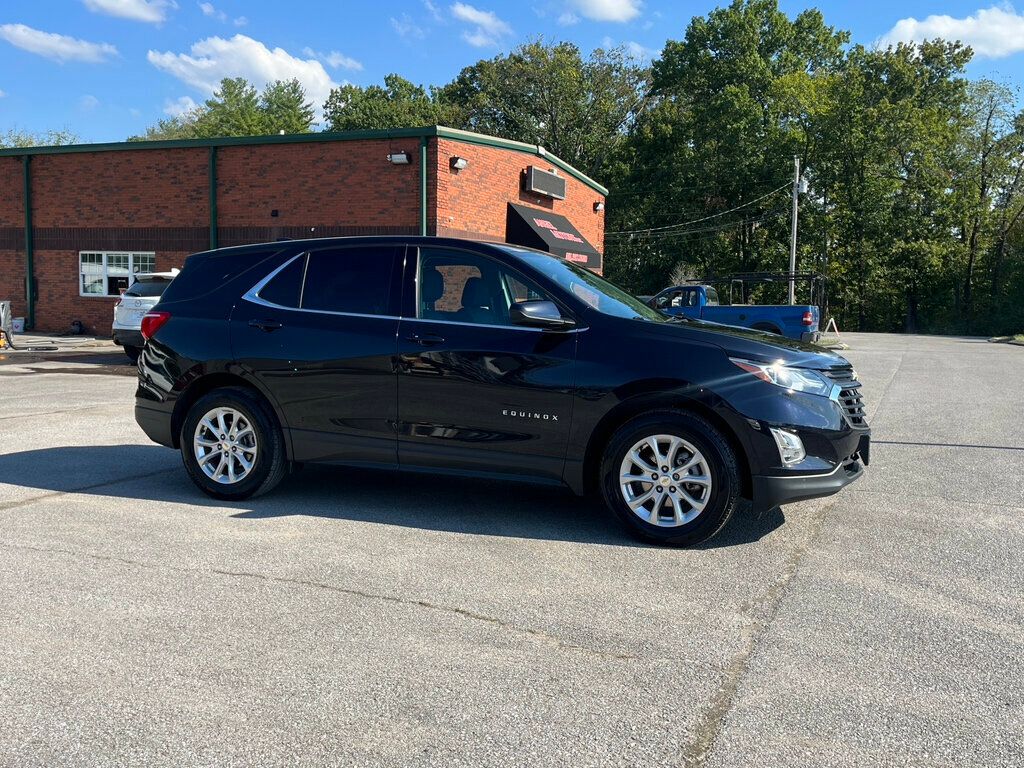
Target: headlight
{"x":793,"y":379}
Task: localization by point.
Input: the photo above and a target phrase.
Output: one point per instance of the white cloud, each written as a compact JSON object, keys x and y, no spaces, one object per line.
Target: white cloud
{"x":487,"y":30}
{"x":208,"y":9}
{"x":434,"y":11}
{"x":608,"y":10}
{"x":179,"y":106}
{"x":88,"y":103}
{"x":211,"y":60}
{"x":992,"y":32}
{"x":407,"y":28}
{"x":568,"y":18}
{"x":53,"y":46}
{"x":153,"y":11}
{"x":3,"y":94}
{"x":334,"y":59}
{"x":241,"y":21}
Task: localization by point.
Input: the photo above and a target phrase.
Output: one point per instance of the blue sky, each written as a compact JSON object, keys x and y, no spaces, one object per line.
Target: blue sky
{"x":106,"y":69}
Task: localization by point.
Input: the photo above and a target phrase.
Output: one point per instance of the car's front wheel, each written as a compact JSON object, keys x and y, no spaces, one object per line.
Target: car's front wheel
{"x":671,"y":477}
{"x":231,"y":445}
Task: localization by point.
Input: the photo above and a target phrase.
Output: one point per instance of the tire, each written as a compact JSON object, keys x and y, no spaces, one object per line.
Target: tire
{"x":693,"y":439}
{"x":133,"y":353}
{"x":263,"y":446}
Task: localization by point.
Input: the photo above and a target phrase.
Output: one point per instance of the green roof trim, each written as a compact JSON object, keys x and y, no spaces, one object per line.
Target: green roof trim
{"x":431,"y":131}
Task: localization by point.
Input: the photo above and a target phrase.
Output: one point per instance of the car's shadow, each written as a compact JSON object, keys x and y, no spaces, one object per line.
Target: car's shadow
{"x":409,"y":499}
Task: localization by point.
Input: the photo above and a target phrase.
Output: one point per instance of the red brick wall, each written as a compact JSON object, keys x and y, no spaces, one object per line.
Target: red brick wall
{"x":473,"y":202}
{"x":12,"y":223}
{"x":147,"y":188}
{"x":333,"y":184}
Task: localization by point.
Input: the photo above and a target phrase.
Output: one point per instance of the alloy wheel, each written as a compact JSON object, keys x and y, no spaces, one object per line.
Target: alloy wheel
{"x":665,"y":481}
{"x":225,"y":446}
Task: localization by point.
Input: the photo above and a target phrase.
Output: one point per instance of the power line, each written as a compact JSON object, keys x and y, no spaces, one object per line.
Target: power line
{"x":621,"y":233}
{"x":662,"y":236}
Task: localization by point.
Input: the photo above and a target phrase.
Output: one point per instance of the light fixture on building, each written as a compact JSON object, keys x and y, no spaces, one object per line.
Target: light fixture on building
{"x":458,"y":163}
{"x":399,"y":158}
{"x":599,"y":206}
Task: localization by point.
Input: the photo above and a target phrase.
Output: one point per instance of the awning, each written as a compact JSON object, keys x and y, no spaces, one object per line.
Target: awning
{"x":546,"y":231}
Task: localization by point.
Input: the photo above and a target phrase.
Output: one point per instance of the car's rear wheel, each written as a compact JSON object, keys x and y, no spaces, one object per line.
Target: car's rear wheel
{"x":671,"y":477}
{"x":231,"y":445}
{"x":132,"y":353}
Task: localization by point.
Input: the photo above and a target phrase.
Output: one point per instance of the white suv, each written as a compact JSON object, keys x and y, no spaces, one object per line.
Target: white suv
{"x":140,"y":297}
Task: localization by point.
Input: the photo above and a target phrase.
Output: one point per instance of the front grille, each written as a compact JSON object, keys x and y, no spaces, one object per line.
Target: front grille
{"x":849,"y":396}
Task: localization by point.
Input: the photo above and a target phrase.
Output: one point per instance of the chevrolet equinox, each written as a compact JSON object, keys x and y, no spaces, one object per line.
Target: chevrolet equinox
{"x":490,"y":360}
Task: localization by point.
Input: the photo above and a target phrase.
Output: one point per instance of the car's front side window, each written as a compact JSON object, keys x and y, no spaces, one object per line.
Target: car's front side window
{"x":463,"y":287}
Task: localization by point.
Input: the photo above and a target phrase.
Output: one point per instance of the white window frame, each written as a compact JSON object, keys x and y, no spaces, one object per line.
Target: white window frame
{"x":133,"y":270}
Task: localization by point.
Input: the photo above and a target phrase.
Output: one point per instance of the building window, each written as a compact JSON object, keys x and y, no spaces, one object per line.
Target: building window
{"x":109,"y":273}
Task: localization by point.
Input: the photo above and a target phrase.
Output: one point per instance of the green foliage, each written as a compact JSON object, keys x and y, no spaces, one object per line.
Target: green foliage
{"x":916,"y":206}
{"x":398,"y":104}
{"x":14,"y":138}
{"x":237,"y":109}
{"x":576,"y":107}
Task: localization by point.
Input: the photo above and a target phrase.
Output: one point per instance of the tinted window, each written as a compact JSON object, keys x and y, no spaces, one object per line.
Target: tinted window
{"x":147,"y":288}
{"x":600,"y":294}
{"x":356,"y":280}
{"x":285,"y":287}
{"x":712,"y":295}
{"x":205,"y":273}
{"x":467,"y":288}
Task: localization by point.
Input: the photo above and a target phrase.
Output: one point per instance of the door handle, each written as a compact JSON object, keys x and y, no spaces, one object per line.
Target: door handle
{"x":426,"y":339}
{"x":265,"y":325}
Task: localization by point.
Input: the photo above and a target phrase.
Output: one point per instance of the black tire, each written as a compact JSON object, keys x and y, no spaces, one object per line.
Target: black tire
{"x":270,"y":464}
{"x":723,"y":468}
{"x":133,"y":353}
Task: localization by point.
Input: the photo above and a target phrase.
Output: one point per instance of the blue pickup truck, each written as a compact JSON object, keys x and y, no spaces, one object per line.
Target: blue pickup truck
{"x":798,"y":321}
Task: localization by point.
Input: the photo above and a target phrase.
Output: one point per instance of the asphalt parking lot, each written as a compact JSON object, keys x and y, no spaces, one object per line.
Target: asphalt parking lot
{"x":363,"y":618}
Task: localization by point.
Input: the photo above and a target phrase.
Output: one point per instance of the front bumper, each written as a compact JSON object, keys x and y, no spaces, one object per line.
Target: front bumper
{"x":769,"y":491}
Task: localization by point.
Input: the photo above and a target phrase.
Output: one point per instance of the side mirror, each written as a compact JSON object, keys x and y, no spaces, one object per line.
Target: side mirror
{"x":538,"y":313}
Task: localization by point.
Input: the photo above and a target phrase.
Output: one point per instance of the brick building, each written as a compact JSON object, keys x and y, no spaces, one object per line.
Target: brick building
{"x":77,"y":221}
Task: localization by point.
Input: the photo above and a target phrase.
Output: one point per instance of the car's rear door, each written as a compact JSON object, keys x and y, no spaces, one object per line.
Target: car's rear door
{"x":319,"y":334}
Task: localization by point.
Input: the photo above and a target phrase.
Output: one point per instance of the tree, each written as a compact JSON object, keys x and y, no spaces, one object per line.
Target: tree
{"x":578,"y":108}
{"x":237,"y":109}
{"x":16,"y":138}
{"x":398,"y":104}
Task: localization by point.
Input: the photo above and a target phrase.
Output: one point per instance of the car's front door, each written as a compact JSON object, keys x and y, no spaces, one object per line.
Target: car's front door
{"x":320,"y":336}
{"x":476,"y":392}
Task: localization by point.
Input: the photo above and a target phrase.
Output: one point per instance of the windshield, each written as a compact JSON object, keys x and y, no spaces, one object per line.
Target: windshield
{"x":600,"y":294}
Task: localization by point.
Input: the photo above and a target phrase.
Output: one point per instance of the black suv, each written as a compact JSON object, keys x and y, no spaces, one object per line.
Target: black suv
{"x":490,"y":360}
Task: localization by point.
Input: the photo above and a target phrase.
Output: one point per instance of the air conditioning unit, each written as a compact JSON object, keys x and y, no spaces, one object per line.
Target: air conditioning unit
{"x":545,"y":183}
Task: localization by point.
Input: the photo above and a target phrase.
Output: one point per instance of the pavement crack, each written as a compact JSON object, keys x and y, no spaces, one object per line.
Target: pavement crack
{"x":530,"y":632}
{"x":762,"y":611}
{"x":6,"y":505}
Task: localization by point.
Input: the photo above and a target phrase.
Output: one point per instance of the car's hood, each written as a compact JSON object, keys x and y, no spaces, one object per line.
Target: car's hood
{"x":755,"y":345}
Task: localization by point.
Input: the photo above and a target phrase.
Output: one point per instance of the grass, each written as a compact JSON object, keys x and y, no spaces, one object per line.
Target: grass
{"x":1014,"y":339}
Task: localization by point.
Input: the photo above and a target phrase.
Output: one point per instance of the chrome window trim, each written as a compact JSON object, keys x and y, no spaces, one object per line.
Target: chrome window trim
{"x":488,"y":325}
{"x":252,"y":295}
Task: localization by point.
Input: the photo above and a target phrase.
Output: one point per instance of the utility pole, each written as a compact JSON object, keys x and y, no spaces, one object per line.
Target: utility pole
{"x":792,"y":231}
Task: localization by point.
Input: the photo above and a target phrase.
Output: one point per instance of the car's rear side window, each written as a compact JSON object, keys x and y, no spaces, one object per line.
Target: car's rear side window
{"x":206,"y":272}
{"x":285,"y":289}
{"x":147,"y":288}
{"x":356,"y":280}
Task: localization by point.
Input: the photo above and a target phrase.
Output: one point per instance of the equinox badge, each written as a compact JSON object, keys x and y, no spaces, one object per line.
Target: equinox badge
{"x":514,"y":414}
